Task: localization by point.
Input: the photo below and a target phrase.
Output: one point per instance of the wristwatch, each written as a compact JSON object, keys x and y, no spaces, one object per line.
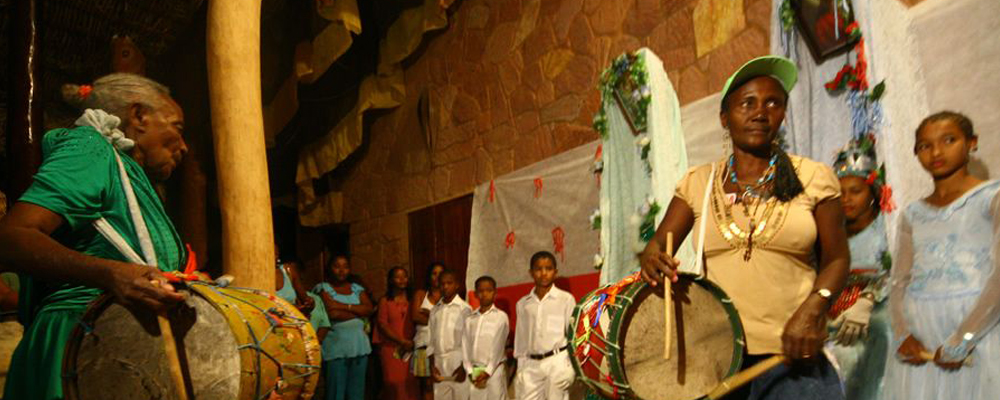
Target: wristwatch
{"x":825,"y":293}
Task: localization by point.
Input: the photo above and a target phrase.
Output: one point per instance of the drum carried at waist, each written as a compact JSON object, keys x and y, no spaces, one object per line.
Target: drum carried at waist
{"x":233,"y":343}
{"x":617,"y":340}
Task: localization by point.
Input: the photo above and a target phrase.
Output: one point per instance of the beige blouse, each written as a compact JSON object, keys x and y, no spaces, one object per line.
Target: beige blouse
{"x":770,"y":286}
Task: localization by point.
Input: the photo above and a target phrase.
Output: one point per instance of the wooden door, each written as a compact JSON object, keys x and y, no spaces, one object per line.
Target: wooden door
{"x":441,"y":233}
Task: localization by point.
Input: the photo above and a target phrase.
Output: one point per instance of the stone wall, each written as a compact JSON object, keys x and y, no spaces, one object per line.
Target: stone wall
{"x":512,"y":82}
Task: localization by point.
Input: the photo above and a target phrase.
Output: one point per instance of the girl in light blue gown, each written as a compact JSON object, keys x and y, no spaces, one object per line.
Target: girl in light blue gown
{"x":859,"y":327}
{"x":945,"y":296}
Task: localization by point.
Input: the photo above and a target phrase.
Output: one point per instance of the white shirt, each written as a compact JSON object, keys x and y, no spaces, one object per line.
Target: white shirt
{"x":485,"y":339}
{"x":447,"y":322}
{"x":541,"y":323}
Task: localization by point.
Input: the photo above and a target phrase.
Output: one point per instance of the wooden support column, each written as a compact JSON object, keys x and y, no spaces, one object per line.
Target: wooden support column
{"x":25,"y":126}
{"x":233,"y":38}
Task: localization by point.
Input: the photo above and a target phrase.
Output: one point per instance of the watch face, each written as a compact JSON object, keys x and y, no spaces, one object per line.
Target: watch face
{"x":824,"y":293}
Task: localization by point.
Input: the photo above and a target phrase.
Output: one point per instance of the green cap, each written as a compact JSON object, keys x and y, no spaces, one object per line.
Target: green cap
{"x":779,"y":68}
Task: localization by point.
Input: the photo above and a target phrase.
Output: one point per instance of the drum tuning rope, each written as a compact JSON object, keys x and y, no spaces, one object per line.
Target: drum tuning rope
{"x":256,"y":344}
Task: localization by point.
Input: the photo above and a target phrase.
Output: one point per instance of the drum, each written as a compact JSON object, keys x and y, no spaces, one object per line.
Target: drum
{"x":617,"y":340}
{"x":233,"y":343}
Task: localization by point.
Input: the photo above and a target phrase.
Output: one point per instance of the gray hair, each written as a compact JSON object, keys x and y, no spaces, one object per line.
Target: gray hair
{"x":115,"y":92}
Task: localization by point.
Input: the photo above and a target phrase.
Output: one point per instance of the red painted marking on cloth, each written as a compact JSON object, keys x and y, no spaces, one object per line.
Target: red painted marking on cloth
{"x":508,"y":241}
{"x":559,"y":242}
{"x":493,"y":190}
{"x":538,"y":187}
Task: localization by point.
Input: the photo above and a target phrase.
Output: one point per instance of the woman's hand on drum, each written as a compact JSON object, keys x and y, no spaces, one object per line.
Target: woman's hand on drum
{"x":135,"y":285}
{"x":912,"y":351}
{"x":805,"y":332}
{"x":657,"y":264}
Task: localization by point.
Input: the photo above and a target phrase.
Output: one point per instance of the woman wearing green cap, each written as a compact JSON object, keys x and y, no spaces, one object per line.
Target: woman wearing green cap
{"x":773,"y":232}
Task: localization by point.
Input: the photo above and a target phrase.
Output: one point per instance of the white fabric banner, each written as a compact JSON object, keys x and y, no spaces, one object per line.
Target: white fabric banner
{"x":544,"y":206}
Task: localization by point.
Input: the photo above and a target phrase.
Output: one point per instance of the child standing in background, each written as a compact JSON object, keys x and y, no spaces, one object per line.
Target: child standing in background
{"x":945,"y":298}
{"x":447,"y":323}
{"x":486,"y":333}
{"x":544,"y":371}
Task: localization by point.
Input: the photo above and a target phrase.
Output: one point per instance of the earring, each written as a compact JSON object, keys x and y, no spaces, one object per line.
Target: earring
{"x":727,"y":142}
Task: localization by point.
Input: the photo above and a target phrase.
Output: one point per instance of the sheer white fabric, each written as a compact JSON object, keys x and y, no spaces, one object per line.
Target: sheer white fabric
{"x":946,"y":294}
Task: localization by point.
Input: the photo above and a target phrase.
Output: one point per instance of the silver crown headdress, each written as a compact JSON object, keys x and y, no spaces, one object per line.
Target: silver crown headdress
{"x":858,"y":159}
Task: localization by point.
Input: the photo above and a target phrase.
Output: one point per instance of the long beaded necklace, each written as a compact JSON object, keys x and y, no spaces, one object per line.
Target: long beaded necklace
{"x":751,"y":196}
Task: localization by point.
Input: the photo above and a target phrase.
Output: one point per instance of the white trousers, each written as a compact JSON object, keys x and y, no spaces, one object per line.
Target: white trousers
{"x":451,"y":390}
{"x":547,"y":379}
{"x":496,"y":386}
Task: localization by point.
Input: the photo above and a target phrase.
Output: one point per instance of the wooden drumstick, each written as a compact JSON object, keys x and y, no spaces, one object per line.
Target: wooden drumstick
{"x":173,"y":360}
{"x":668,"y":304}
{"x":170,"y":349}
{"x":745,"y":376}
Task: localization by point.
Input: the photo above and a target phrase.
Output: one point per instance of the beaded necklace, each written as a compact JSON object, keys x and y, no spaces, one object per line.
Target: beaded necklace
{"x":757,"y":189}
{"x":750,"y":197}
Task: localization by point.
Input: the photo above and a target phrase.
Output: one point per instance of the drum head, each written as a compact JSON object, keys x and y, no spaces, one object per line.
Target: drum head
{"x":707,"y":342}
{"x":122,"y":356}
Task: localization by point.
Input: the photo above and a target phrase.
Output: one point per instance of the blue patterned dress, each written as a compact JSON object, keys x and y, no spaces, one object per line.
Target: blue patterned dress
{"x":862,"y":364}
{"x":946,"y":292}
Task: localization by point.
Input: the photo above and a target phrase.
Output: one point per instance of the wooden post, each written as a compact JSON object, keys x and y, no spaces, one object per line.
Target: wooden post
{"x":25,"y":126}
{"x":233,"y":47}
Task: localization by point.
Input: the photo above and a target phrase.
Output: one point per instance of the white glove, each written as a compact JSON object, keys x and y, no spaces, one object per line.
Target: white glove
{"x":853,"y":322}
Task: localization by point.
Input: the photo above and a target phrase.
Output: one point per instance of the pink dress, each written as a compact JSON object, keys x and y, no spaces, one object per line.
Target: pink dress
{"x":399,"y":383}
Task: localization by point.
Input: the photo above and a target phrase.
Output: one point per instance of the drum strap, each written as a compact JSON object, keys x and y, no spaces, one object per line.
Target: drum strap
{"x":145,"y":242}
{"x":107,"y":125}
{"x":699,"y":263}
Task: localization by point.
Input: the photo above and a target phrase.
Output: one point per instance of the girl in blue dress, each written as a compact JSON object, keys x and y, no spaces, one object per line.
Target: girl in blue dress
{"x":346,"y":347}
{"x":945,"y":298}
{"x":859,"y":325}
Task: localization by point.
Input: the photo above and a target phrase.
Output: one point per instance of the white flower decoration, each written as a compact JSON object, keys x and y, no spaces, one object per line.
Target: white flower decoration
{"x":595,"y":215}
{"x":642,"y":141}
{"x":598,"y":261}
{"x":645,"y":90}
{"x":644,"y":209}
{"x":635,"y":220}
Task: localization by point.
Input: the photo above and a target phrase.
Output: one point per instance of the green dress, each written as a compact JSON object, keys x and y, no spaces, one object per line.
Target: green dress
{"x":79,"y":180}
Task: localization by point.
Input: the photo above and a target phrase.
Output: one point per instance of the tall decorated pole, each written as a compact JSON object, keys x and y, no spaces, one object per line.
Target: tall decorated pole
{"x":233,"y":38}
{"x":24,"y":110}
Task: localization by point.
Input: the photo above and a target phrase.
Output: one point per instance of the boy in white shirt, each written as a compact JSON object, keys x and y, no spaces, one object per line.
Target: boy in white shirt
{"x":447,"y":323}
{"x":486,"y":333}
{"x":540,"y":346}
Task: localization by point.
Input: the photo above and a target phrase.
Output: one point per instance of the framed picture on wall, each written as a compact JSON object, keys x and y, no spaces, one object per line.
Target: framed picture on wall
{"x":823,"y":24}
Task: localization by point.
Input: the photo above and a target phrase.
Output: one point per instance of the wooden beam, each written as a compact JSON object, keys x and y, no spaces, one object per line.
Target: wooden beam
{"x":233,"y":38}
